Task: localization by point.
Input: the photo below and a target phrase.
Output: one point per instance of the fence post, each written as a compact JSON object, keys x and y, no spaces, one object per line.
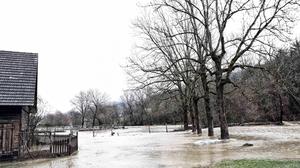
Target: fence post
{"x":60,"y":146}
{"x":69,"y":144}
{"x":50,"y":142}
{"x":57,"y":144}
{"x":167,"y":127}
{"x":77,"y":140}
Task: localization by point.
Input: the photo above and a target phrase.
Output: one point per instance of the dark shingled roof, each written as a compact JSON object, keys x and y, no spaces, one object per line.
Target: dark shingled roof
{"x":18,"y":78}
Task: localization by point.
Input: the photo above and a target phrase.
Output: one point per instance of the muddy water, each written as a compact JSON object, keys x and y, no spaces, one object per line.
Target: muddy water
{"x":135,"y":147}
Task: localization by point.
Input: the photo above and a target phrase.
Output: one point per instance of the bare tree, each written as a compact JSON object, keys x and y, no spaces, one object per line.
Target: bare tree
{"x":128,"y":103}
{"x":81,"y":104}
{"x":167,"y":64}
{"x":261,"y":21}
{"x":97,"y":101}
{"x":36,"y":117}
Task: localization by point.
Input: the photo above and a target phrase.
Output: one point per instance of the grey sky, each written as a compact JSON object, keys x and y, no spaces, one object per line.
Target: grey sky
{"x":81,"y":43}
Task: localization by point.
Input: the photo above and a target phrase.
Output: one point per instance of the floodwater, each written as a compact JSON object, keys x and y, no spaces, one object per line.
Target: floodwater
{"x":136,"y":147}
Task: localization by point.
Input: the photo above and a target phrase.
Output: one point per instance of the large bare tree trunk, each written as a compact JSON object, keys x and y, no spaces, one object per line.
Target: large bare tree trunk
{"x":82,"y":122}
{"x":185,"y":118}
{"x":94,"y":120}
{"x":197,"y":121}
{"x":220,"y":98}
{"x":209,"y":113}
{"x":192,"y":116}
{"x":209,"y":116}
{"x":221,"y":110}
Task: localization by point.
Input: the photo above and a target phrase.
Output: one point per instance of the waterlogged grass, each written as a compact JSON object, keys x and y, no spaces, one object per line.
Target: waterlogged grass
{"x":258,"y":164}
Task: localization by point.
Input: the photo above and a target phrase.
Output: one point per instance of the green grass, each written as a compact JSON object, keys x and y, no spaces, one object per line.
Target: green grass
{"x":258,"y":164}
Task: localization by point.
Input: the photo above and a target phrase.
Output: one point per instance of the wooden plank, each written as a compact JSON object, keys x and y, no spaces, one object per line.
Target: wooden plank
{"x":3,"y":139}
{"x":66,"y":145}
{"x":59,"y":147}
{"x":12,"y":138}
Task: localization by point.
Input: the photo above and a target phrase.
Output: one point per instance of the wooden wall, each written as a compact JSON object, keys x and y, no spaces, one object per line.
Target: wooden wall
{"x":10,"y":125}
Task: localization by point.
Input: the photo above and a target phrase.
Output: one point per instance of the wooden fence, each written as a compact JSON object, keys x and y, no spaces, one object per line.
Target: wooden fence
{"x":47,"y":144}
{"x":64,"y":144}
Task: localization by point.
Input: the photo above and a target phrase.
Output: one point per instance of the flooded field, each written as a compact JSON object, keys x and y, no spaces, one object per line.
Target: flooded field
{"x":136,"y":147}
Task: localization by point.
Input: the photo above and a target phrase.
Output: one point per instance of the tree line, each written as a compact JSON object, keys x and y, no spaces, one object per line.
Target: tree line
{"x":90,"y":108}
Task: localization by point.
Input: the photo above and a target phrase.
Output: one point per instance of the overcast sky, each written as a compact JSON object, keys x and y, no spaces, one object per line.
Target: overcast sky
{"x":81,"y":43}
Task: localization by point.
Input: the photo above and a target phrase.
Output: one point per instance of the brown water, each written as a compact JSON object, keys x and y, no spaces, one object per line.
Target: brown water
{"x":135,"y":147}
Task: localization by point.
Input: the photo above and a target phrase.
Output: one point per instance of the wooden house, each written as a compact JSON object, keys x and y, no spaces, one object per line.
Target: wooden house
{"x":18,"y":98}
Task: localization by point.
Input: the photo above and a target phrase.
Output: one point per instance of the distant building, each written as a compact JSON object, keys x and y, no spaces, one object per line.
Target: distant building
{"x":18,"y":98}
